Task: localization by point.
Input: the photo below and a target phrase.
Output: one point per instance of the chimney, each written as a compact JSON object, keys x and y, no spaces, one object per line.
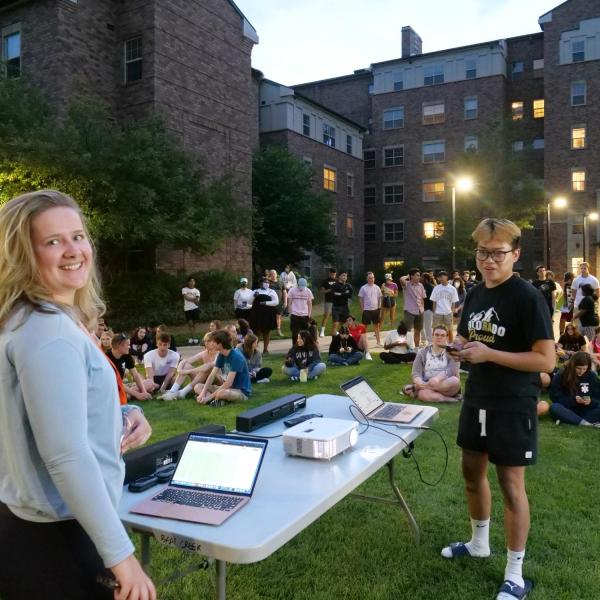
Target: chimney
{"x":411,"y":42}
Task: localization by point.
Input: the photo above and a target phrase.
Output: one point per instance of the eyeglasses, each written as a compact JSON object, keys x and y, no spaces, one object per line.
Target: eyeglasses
{"x":497,"y":256}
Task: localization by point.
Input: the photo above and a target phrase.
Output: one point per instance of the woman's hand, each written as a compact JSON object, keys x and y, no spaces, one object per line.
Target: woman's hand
{"x":134,"y":583}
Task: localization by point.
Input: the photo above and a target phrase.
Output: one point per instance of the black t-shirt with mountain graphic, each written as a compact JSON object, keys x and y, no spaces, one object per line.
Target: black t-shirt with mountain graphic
{"x":510,"y":317}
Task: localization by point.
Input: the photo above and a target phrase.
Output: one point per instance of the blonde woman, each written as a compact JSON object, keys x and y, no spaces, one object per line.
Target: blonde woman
{"x":61,"y":428}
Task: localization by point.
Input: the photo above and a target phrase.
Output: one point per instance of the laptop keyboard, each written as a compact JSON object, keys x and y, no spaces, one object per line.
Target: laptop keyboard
{"x":198,"y":499}
{"x":389,"y":410}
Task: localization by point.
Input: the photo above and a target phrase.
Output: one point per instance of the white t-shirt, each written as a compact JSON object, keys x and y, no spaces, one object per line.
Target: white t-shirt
{"x":243,"y":299}
{"x":288,"y":280}
{"x":161,"y":365}
{"x":444,"y":297}
{"x":393,"y":336}
{"x":371,"y":296}
{"x":187,"y":305}
{"x":580,"y":281}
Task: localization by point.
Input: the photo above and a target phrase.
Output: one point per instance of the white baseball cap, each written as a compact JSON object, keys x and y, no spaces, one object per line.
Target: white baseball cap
{"x":388,"y":276}
{"x":243,"y":280}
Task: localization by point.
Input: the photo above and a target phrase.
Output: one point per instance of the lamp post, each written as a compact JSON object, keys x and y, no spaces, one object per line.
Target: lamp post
{"x":592,"y":217}
{"x":558,"y":203}
{"x":464,"y":184}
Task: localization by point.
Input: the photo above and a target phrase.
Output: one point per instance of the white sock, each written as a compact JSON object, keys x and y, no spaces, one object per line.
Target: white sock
{"x":480,"y":540}
{"x":514,"y":566}
{"x":187,"y":389}
{"x":175,"y":387}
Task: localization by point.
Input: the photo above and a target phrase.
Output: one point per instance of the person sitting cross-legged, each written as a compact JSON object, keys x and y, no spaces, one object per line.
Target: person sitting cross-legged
{"x":303,"y":355}
{"x":123,"y":361}
{"x":160,"y":365}
{"x":231,"y":365}
{"x":359,"y":332}
{"x":253,"y":356}
{"x":434,"y":372}
{"x":343,"y":349}
{"x":400,"y":346}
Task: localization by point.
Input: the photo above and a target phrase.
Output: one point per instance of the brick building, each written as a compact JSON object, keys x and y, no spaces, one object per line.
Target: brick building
{"x":187,"y":61}
{"x":332,"y":145}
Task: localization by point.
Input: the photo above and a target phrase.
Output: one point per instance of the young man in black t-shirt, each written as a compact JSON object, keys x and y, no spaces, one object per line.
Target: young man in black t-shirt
{"x":341,"y":293}
{"x":506,"y":334}
{"x":546,"y":287}
{"x":123,"y":361}
{"x":328,"y":299}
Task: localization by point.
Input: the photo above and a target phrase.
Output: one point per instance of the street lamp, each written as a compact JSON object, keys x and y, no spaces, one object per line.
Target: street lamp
{"x":559,"y":202}
{"x":464,"y":184}
{"x":592,"y":217}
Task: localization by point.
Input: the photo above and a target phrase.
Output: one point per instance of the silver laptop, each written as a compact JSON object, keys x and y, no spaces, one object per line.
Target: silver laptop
{"x":214,"y":478}
{"x":373,"y":407}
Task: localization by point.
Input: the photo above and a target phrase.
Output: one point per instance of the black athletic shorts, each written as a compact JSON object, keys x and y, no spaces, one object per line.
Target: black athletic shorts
{"x":339,"y":313}
{"x":192,"y":315}
{"x":371,"y":316}
{"x":508,"y":438}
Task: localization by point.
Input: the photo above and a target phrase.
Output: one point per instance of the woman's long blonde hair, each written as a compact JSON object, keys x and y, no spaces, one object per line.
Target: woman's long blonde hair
{"x":19,"y":273}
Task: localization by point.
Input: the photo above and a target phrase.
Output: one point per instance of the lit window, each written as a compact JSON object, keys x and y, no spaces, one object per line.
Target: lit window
{"x":389,"y":264}
{"x":369,"y":159}
{"x":370,"y":232}
{"x":433,"y":74}
{"x":577,"y":228}
{"x":538,"y":144}
{"x":538,"y":109}
{"x":393,"y":194}
{"x":349,"y":225}
{"x":471,"y":143}
{"x":517,"y":110}
{"x":433,"y":230}
{"x":518,"y":146}
{"x":470,"y":68}
{"x":578,"y":138}
{"x":578,"y":50}
{"x":578,"y":180}
{"x":578,"y":93}
{"x":329,"y":135}
{"x":434,"y":191}
{"x":306,"y":125}
{"x":434,"y":113}
{"x":349,"y":144}
{"x":393,"y":231}
{"x":516,"y":71}
{"x":133,"y":59}
{"x":470,"y":107}
{"x":369,"y":195}
{"x":329,"y":179}
{"x":393,"y":157}
{"x":434,"y":152}
{"x":393,"y":118}
{"x":350,"y":184}
{"x":10,"y":52}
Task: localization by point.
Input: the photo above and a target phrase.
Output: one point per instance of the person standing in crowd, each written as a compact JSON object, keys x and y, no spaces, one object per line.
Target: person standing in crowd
{"x":462,"y":294}
{"x":389,"y":293}
{"x":359,"y":332}
{"x":400,"y":346}
{"x":575,"y":393}
{"x":160,"y":365}
{"x":547,"y":287}
{"x":242,"y":300}
{"x":249,"y":348}
{"x":288,"y":281}
{"x":191,"y":307}
{"x":343,"y":349}
{"x":414,"y":303}
{"x":579,"y":281}
{"x":369,"y":297}
{"x":124,"y":362}
{"x":427,"y":307}
{"x":303,"y":355}
{"x":342,"y":293}
{"x":586,"y":311}
{"x":276,"y":286}
{"x":467,"y":281}
{"x":566,"y":310}
{"x":263,"y":316}
{"x":62,"y":431}
{"x":445,"y":299}
{"x":557,"y":294}
{"x":506,"y":334}
{"x":299,"y":306}
{"x":327,"y":289}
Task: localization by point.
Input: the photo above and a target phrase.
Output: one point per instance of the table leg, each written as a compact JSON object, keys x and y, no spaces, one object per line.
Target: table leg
{"x":145,"y":551}
{"x":221,"y":580}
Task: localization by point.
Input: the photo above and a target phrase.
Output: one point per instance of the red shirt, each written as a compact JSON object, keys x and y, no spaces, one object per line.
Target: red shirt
{"x":357,"y":331}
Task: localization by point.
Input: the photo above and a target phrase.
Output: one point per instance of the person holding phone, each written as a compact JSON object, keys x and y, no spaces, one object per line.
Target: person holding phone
{"x":575,"y":393}
{"x":61,"y":427}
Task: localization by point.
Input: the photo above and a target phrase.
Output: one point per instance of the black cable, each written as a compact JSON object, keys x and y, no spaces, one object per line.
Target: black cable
{"x":257,"y":437}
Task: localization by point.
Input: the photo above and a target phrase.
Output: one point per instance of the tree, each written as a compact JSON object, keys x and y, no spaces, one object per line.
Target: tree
{"x":289,"y":218}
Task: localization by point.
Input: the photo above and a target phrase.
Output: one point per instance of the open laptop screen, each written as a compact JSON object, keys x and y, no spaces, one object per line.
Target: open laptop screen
{"x":220,"y":464}
{"x":362,"y":394}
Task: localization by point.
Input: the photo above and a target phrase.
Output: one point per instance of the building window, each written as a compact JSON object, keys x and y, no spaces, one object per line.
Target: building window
{"x":369,"y":195}
{"x":433,"y":74}
{"x":518,"y":146}
{"x":133,"y":59}
{"x":350,"y":225}
{"x":578,"y":93}
{"x":370,"y":89}
{"x":307,"y":161}
{"x":369,"y":159}
{"x":393,"y":231}
{"x":577,"y":228}
{"x":578,"y":181}
{"x":578,"y":50}
{"x":10,"y":52}
{"x":434,"y":191}
{"x":393,"y":157}
{"x":329,"y":179}
{"x":370,"y":232}
{"x":516,"y":71}
{"x":538,"y":109}
{"x":538,"y":144}
{"x":306,"y":265}
{"x":578,"y":137}
{"x":350,"y":266}
{"x":471,"y":108}
{"x":471,"y":143}
{"x":306,"y":125}
{"x":470,"y":68}
{"x":433,"y":230}
{"x":517,"y":110}
{"x":434,"y":152}
{"x":538,"y":64}
{"x":333,"y":226}
{"x":393,"y":118}
{"x":393,"y":194}
{"x":349,"y":144}
{"x":394,"y":262}
{"x":350,"y":185}
{"x":329,"y":135}
{"x":398,"y":83}
{"x":434,"y":113}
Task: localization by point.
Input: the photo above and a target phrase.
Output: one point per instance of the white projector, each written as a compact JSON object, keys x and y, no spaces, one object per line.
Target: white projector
{"x":320,"y":438}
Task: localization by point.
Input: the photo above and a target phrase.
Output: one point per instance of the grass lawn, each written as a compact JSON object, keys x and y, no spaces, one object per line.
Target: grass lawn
{"x":360,"y":550}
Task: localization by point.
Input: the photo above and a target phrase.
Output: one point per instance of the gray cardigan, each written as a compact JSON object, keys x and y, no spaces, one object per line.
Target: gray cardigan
{"x":418,"y":368}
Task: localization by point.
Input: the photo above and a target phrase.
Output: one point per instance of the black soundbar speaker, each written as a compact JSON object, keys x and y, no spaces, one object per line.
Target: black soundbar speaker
{"x":144,"y":461}
{"x":267,"y":413}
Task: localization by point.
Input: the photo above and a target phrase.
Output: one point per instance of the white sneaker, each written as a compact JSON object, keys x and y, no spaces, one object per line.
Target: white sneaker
{"x":368,"y":356}
{"x":181,"y":394}
{"x":190,"y":341}
{"x":196,"y":341}
{"x":264,"y":380}
{"x":280,"y":333}
{"x":167,"y":396}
